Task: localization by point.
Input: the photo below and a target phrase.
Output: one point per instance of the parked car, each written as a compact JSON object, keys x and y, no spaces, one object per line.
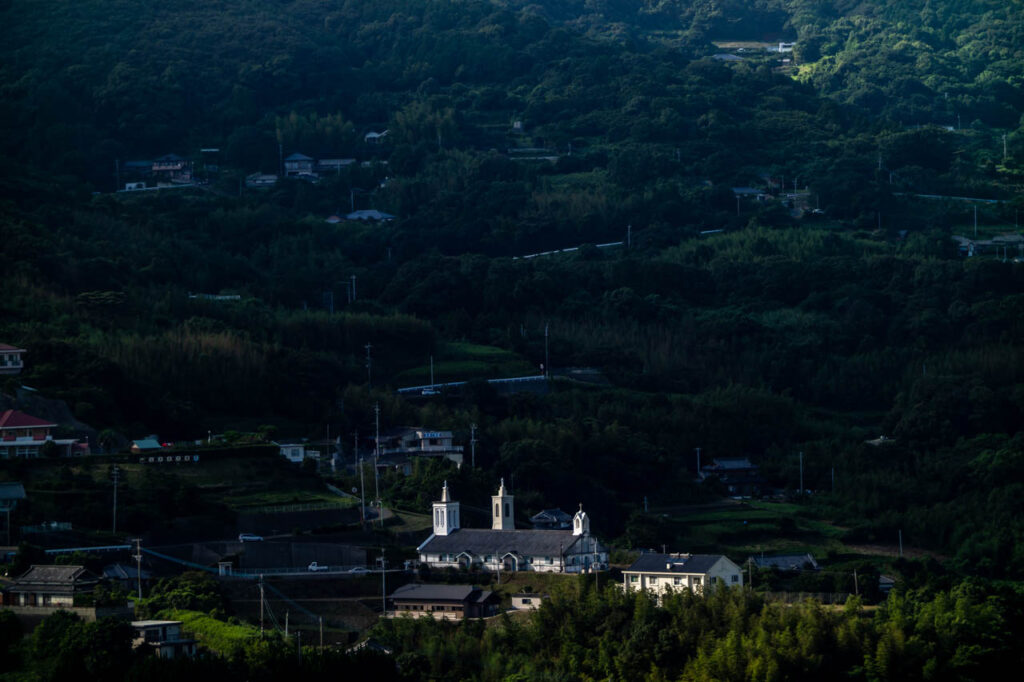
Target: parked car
{"x":249,"y":537}
{"x":315,"y":567}
{"x":358,"y":569}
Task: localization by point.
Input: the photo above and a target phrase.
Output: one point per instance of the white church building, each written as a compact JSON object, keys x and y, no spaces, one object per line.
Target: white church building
{"x":504,"y":548}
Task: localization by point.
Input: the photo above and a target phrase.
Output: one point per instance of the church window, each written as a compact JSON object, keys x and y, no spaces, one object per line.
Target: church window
{"x":497,"y":510}
{"x":506,"y":509}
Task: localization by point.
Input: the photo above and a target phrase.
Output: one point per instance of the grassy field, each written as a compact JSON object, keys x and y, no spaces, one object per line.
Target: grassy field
{"x":744,"y":528}
{"x":459,"y":361}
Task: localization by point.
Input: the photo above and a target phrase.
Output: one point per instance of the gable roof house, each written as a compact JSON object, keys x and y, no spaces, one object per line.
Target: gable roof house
{"x":661,"y":573}
{"x":551,"y":519}
{"x":22,"y":435}
{"x":10,"y":359}
{"x":444,"y":602}
{"x":505,"y":548}
{"x":50,"y":586}
{"x":299,"y":166}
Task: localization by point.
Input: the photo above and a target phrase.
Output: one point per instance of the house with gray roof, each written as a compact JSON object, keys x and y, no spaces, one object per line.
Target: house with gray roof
{"x":503,"y":547}
{"x":447,"y":602}
{"x":50,"y":586}
{"x":786,"y":562}
{"x":662,"y":573}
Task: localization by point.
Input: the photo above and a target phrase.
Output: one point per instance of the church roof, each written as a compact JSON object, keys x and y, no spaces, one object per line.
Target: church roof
{"x":484,"y":541}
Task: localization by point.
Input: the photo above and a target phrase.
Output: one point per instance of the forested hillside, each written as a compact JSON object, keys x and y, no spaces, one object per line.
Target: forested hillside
{"x":832,"y":309}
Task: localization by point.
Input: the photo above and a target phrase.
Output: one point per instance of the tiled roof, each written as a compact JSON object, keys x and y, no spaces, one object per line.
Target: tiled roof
{"x":65,"y":579}
{"x":483,"y":541}
{"x":16,"y":419}
{"x":5,"y":347}
{"x":659,"y":563}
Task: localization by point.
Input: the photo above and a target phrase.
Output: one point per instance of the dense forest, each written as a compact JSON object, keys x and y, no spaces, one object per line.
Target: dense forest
{"x":827,"y":307}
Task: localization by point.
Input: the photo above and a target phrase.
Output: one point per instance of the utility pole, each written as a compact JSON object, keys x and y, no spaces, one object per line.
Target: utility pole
{"x":369,"y":365}
{"x":362,"y":496}
{"x":472,"y":446}
{"x":698,"y":461}
{"x":1004,"y":147}
{"x":975,"y":221}
{"x":262,"y":599}
{"x":321,"y":635}
{"x":117,"y":475}
{"x":856,"y":584}
{"x":629,"y":236}
{"x":376,"y":460}
{"x":286,"y":614}
{"x":750,"y":573}
{"x":353,"y":278}
{"x":901,"y":542}
{"x":138,"y":564}
{"x":383,"y":589}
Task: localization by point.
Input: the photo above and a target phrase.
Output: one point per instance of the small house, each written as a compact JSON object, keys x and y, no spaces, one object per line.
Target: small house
{"x":661,"y":573}
{"x":164,"y":637}
{"x":444,"y":602}
{"x":10,"y":359}
{"x":50,"y":586}
{"x":527,"y":601}
{"x":299,"y":165}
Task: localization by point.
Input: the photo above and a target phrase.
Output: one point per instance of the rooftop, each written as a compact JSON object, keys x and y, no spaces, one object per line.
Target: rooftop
{"x":484,"y":541}
{"x":16,"y":419}
{"x":676,"y":563}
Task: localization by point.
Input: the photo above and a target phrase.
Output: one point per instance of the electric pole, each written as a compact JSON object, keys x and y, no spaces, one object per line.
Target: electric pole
{"x":376,"y":462}
{"x":383,"y":588}
{"x":138,"y":564}
{"x":262,"y":599}
{"x":472,"y":445}
{"x":117,"y":475}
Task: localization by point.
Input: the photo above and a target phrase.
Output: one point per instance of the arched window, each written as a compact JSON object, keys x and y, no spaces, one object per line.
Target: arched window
{"x":497,"y":510}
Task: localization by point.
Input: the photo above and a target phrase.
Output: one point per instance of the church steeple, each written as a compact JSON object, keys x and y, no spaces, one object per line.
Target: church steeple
{"x":502,"y":510}
{"x":581,"y":522}
{"x":446,"y":513}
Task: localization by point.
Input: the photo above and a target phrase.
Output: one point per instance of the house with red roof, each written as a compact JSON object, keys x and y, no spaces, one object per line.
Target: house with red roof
{"x":10,"y":359}
{"x":22,"y":435}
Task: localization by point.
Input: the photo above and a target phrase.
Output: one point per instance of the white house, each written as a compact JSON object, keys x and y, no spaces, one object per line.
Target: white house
{"x":10,"y":359}
{"x":661,"y":573}
{"x":505,"y":548}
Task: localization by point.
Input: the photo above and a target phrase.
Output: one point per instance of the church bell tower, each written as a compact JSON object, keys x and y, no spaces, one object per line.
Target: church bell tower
{"x":446,"y":514}
{"x":502,"y":510}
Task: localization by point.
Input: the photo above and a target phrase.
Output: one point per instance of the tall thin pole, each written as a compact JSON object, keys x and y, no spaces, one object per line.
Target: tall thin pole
{"x":901,"y":542}
{"x":975,"y":221}
{"x":138,"y":564}
{"x":353,"y":287}
{"x":362,"y":496}
{"x":698,"y":461}
{"x":472,"y":446}
{"x":383,"y":588}
{"x":376,"y":462}
{"x":117,"y":475}
{"x":856,"y":584}
{"x":262,"y":599}
{"x":321,"y":635}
